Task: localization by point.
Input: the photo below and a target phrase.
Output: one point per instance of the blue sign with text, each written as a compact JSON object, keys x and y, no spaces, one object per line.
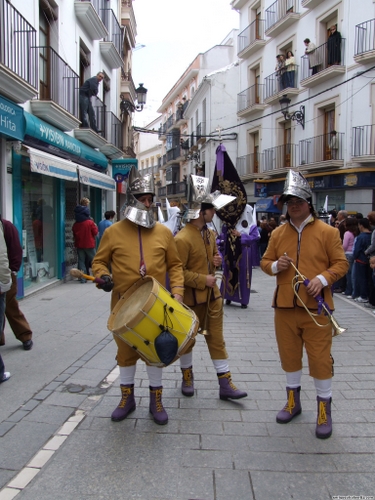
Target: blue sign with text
{"x":11,"y":120}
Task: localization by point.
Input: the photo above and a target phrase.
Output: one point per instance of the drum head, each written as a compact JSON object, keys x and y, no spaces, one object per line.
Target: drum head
{"x":128,"y":310}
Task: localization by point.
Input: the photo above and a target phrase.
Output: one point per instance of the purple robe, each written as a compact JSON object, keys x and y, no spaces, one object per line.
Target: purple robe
{"x":249,"y":258}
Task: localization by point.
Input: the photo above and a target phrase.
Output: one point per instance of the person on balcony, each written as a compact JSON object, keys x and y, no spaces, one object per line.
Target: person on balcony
{"x":290,"y":64}
{"x":312,"y":54}
{"x":89,"y":89}
{"x":334,"y":46}
{"x":280,"y":71}
{"x":334,"y":145}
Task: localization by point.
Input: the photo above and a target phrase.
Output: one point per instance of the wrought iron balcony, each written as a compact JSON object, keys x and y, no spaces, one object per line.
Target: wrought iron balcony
{"x":58,"y":90}
{"x":322,"y":148}
{"x":250,"y":100}
{"x":18,"y":61}
{"x":280,"y":157}
{"x":364,"y":49}
{"x":112,"y":46}
{"x":170,"y":121}
{"x":250,"y":164}
{"x":327,"y":61}
{"x":113,"y":134}
{"x":185,"y":144}
{"x":127,"y":86}
{"x":100,"y":113}
{"x":280,"y":83}
{"x":201,"y":133}
{"x":363,"y":143}
{"x":251,"y":38}
{"x":175,"y":153}
{"x":280,"y":15}
{"x":162,"y":131}
{"x":88,"y":14}
{"x":128,"y":19}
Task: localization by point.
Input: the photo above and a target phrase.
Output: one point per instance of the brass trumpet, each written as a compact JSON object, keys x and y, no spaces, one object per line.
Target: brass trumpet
{"x":337,"y":330}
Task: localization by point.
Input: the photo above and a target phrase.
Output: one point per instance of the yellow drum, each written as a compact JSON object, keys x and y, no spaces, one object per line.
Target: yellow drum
{"x":144,"y":311}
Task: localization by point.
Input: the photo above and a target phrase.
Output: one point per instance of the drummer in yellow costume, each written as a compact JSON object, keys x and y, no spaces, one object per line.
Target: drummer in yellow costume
{"x":199,"y":254}
{"x":132,"y":248}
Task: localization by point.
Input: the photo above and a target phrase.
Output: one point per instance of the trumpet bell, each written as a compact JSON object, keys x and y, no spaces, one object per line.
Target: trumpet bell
{"x":337,"y":330}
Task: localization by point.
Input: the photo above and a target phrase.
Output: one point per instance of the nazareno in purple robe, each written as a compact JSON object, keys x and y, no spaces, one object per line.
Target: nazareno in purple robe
{"x":249,"y":259}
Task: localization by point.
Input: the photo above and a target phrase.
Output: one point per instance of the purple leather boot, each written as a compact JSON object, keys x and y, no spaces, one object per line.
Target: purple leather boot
{"x":292,"y":408}
{"x":156,"y":406}
{"x":227,"y":389}
{"x":126,"y":405}
{"x":324,"y":421}
{"x":187,"y":386}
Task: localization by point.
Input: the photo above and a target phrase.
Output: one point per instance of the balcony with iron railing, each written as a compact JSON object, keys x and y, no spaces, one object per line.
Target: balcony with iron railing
{"x":58,"y":91}
{"x":251,"y":100}
{"x":113,"y":135}
{"x":193,"y":141}
{"x":128,"y":20}
{"x":364,"y":48}
{"x":250,"y":166}
{"x":88,"y":135}
{"x":175,"y":189}
{"x":88,"y":14}
{"x":18,"y":61}
{"x":280,"y":158}
{"x":180,"y":114}
{"x":311,"y":4}
{"x":201,"y":133}
{"x":175,"y":154}
{"x":363,"y":144}
{"x":185,"y":144}
{"x":112,"y":46}
{"x":162,"y":131}
{"x":324,"y":63}
{"x":322,"y":151}
{"x":127,"y":86}
{"x":170,"y":121}
{"x":281,"y":83}
{"x":251,"y":39}
{"x":280,"y":15}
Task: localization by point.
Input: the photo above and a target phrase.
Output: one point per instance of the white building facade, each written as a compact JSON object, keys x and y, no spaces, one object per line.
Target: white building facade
{"x":49,"y":48}
{"x":333,"y":145}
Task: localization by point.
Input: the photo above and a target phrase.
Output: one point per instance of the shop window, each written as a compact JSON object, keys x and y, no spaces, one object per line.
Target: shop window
{"x":38,"y":227}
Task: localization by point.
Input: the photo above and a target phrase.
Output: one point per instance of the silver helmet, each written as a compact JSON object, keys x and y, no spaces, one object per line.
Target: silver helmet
{"x":198,"y":193}
{"x":295,"y":185}
{"x":136,"y":211}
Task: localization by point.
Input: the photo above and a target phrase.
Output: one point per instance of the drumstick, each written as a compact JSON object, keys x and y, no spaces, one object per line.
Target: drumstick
{"x":79,"y":274}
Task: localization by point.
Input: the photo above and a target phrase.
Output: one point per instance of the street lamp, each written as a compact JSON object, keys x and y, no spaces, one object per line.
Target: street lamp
{"x":298,"y":116}
{"x":127,"y":106}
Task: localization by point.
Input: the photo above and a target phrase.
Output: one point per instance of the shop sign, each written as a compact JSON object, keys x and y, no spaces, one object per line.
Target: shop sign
{"x":260,"y":190}
{"x":350,"y":180}
{"x":11,"y":120}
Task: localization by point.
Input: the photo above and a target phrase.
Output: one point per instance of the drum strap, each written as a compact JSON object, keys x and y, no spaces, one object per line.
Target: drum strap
{"x":142,"y":267}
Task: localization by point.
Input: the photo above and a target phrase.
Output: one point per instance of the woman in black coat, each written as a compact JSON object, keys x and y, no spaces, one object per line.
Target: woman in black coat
{"x":334,"y":46}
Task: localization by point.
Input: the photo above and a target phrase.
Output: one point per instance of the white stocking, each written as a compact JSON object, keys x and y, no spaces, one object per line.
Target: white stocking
{"x":293,"y":379}
{"x":186,"y":360}
{"x":127,"y":374}
{"x":155,"y":375}
{"x":323,"y":387}
{"x":221,"y":365}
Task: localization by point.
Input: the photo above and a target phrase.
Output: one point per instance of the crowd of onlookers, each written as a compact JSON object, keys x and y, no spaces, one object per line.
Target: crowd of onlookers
{"x":358,"y":238}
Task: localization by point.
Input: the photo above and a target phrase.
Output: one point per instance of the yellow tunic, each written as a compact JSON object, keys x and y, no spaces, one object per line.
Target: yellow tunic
{"x":120,"y":247}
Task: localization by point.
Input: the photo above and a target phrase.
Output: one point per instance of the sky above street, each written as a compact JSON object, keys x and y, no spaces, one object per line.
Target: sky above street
{"x":173,"y":33}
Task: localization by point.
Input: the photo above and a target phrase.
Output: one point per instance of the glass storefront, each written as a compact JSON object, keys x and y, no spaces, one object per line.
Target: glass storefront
{"x":336,"y":200}
{"x":38,"y":227}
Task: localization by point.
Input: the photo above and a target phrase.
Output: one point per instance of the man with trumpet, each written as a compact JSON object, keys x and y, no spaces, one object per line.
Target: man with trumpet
{"x":196,"y":245}
{"x":305,"y":246}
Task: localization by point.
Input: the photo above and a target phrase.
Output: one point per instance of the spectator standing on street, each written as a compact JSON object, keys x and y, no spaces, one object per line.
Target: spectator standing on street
{"x":84,"y":232}
{"x":348,"y":244}
{"x":5,"y":284}
{"x":89,"y":89}
{"x":361,"y":264}
{"x":106,"y":222}
{"x":16,"y":319}
{"x":315,"y":249}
